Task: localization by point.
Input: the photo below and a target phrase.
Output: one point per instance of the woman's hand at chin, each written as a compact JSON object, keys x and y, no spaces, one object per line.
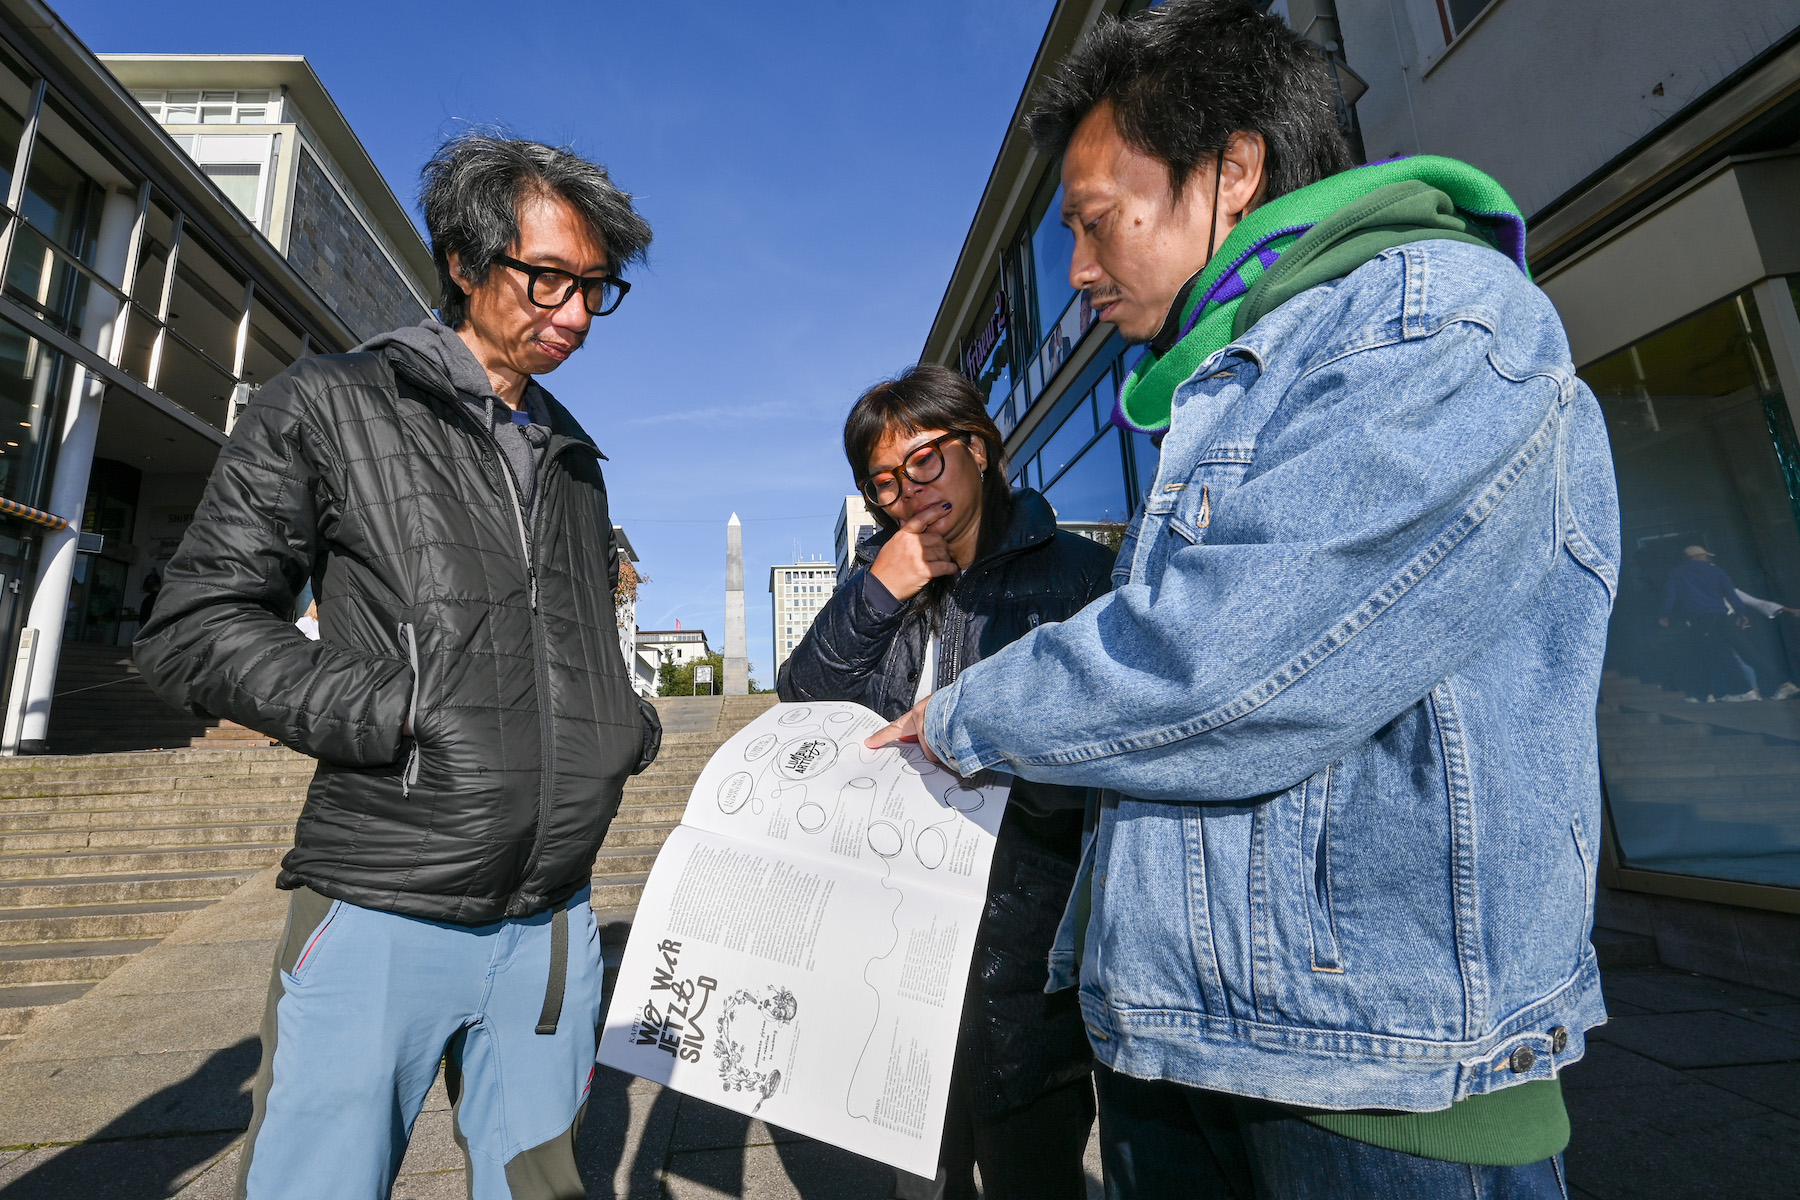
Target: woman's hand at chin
{"x":916,"y":554}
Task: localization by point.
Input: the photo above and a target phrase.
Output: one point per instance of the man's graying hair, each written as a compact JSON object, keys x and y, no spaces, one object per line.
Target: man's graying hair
{"x":1184,"y":76}
{"x":473,"y":187}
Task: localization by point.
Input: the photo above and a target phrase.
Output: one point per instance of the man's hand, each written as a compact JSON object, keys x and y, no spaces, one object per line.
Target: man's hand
{"x":908,"y":728}
{"x":916,"y":554}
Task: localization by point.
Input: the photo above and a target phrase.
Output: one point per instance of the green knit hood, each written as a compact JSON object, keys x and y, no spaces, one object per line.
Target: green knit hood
{"x":1311,"y":236}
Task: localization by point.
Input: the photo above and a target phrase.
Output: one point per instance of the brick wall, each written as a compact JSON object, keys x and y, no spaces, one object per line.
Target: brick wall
{"x":335,"y":254}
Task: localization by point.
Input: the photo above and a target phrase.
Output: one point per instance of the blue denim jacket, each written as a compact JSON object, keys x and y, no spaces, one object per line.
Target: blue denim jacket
{"x":1342,"y":702}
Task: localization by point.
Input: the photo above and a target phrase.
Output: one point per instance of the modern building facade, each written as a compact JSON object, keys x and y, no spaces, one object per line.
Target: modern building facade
{"x":1657,"y":160}
{"x":675,"y":647}
{"x":643,"y":672}
{"x":142,"y":304}
{"x":796,"y":593}
{"x":855,"y":525}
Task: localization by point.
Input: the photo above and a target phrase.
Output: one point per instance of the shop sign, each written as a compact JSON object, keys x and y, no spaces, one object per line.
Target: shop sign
{"x":976,"y":352}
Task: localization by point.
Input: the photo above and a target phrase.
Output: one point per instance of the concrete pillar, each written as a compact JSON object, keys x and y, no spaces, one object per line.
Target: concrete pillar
{"x":737,"y":651}
{"x":31,"y":694}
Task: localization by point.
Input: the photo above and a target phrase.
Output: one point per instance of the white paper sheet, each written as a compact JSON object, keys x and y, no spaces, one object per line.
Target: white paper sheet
{"x":802,"y":945}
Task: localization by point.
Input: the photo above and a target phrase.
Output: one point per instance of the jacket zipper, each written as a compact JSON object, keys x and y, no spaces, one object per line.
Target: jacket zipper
{"x":539,"y":644}
{"x":411,"y":775}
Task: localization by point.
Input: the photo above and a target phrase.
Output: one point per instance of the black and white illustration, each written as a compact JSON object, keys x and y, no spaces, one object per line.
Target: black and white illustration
{"x":834,"y":891}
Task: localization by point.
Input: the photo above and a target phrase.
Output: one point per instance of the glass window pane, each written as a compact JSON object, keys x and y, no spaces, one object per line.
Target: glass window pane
{"x":32,"y":378}
{"x":987,"y":351}
{"x":184,"y":97}
{"x":1052,"y":245}
{"x":252,"y":116}
{"x":196,"y":383}
{"x":206,"y":302}
{"x":215,"y":114}
{"x":253,"y":97}
{"x":216,"y":97}
{"x":1699,"y":736}
{"x":61,"y":200}
{"x":180,"y":116}
{"x":1093,"y":489}
{"x":273,"y":346}
{"x":240,"y":182}
{"x":1070,"y":438}
{"x":41,"y":279}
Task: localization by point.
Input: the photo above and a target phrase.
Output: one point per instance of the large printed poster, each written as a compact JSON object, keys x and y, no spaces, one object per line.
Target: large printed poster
{"x":801,"y":948}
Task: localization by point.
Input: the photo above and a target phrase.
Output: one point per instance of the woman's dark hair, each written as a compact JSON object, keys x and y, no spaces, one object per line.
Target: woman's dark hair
{"x":1186,"y":75}
{"x":473,"y":187}
{"x":928,"y":396}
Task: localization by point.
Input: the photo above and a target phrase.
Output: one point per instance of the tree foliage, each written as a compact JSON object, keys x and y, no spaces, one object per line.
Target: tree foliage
{"x":677,"y":679}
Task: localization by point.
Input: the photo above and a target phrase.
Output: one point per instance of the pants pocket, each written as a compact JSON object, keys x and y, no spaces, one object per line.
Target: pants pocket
{"x":311,"y":919}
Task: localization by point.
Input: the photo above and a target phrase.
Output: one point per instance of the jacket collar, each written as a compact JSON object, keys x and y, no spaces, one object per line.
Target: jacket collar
{"x":1033,"y":522}
{"x":422,"y":372}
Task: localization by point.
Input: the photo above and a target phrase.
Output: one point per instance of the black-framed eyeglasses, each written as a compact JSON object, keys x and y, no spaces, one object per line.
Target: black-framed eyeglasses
{"x":923,"y":465}
{"x":551,"y":288}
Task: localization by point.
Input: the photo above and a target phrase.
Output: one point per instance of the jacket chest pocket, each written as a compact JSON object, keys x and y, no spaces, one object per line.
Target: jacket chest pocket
{"x":1180,"y":512}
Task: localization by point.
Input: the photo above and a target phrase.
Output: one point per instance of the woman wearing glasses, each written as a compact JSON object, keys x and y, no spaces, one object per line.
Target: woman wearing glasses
{"x":965,"y":565}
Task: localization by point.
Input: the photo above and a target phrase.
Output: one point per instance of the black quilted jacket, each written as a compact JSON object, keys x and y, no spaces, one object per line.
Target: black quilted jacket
{"x":365,"y":473}
{"x":1016,"y":1042}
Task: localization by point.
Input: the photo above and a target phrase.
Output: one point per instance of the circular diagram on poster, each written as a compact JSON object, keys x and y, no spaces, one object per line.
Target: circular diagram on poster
{"x":734,"y":790}
{"x":931,"y":846}
{"x":759,"y":747}
{"x":805,"y":757}
{"x":796,"y":716}
{"x":963,"y":798}
{"x":811,"y":816}
{"x":885,"y":839}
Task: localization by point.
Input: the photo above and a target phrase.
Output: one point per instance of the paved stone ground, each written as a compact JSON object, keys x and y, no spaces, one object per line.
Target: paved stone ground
{"x":139,"y":1091}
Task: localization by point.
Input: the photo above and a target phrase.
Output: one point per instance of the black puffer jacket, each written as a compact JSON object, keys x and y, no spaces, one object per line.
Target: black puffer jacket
{"x":1016,"y":1042}
{"x":365,"y":473}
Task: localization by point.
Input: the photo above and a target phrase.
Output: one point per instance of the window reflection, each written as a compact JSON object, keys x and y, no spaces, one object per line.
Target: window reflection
{"x":32,"y":377}
{"x":1052,"y":245}
{"x":1699,"y":713}
{"x":1093,"y":487}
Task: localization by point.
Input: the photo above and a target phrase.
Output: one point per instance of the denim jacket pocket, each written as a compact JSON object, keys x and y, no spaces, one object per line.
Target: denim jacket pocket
{"x":1315,"y":855}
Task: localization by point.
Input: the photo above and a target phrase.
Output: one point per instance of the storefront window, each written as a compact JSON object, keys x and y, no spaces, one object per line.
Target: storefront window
{"x":1093,"y":487}
{"x":1699,"y":715}
{"x":987,"y":351}
{"x":1052,"y":245}
{"x":63,"y":206}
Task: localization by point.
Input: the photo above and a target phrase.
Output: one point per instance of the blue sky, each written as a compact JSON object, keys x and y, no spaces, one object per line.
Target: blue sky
{"x":809,"y":169}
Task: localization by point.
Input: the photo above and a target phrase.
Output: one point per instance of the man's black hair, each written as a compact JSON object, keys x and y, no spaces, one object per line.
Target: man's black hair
{"x":1184,"y":76}
{"x":473,"y":187}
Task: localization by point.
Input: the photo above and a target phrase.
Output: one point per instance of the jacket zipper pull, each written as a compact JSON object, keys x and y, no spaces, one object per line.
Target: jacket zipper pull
{"x":1205,"y":517}
{"x":531,"y":578}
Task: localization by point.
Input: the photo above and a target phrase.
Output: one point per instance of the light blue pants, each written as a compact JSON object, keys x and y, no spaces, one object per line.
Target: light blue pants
{"x":364,"y":1005}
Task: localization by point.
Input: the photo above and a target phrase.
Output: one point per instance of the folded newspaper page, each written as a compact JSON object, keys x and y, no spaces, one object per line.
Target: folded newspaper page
{"x":802,"y":946}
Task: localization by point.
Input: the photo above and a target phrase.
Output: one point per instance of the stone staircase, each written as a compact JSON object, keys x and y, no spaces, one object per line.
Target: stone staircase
{"x":103,"y":705}
{"x":102,"y":855}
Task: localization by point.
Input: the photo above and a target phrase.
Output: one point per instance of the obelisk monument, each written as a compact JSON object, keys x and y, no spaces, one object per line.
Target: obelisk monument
{"x":737,"y":653}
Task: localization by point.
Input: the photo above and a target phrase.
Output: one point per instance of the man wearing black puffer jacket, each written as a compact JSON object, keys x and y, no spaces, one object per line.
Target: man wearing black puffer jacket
{"x":467,"y":699}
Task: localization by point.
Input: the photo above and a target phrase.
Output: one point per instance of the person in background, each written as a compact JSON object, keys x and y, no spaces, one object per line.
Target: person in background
{"x":468,"y":701}
{"x":962,"y":566}
{"x":1714,"y":609}
{"x":152,"y":586}
{"x":1332,"y":934}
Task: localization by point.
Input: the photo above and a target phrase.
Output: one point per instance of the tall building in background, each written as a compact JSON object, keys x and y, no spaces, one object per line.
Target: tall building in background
{"x":796,"y":593}
{"x":855,"y":525}
{"x":145,"y":297}
{"x":267,"y":133}
{"x":1657,"y":161}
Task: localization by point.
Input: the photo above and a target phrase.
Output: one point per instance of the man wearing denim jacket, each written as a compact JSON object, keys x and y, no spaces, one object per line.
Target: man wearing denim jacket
{"x":1332,"y":938}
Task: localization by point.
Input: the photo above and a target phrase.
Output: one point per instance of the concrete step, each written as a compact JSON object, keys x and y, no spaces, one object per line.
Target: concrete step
{"x":18,"y":1005}
{"x":647,"y":814}
{"x":154,"y":783}
{"x":67,"y":962}
{"x":119,"y":889}
{"x":147,"y":837}
{"x":657,"y":794}
{"x":87,"y":921}
{"x":617,"y":891}
{"x":151,"y":801}
{"x":149,"y":758}
{"x":621,"y":835}
{"x":149,"y":815}
{"x":42,"y":865}
{"x":614,"y":862}
{"x":236,"y":765}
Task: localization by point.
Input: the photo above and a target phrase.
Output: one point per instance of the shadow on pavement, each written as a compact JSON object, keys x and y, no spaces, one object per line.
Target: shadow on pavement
{"x":153,"y":1147}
